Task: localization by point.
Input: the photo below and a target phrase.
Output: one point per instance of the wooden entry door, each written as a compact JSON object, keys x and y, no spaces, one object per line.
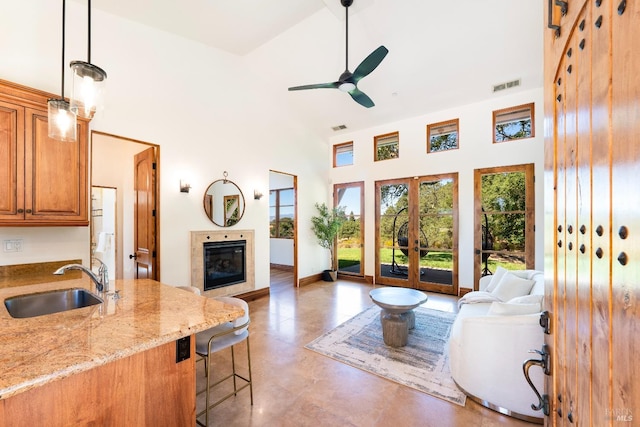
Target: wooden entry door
{"x":592,"y":164}
{"x":145,"y":215}
{"x":417,"y":233}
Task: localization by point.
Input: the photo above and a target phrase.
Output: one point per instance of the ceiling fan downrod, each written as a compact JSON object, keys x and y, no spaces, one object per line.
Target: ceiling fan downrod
{"x":347,"y":85}
{"x":346,"y":4}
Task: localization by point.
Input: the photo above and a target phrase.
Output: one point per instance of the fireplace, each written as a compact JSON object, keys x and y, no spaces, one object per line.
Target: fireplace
{"x":230,"y":261}
{"x":224,"y":263}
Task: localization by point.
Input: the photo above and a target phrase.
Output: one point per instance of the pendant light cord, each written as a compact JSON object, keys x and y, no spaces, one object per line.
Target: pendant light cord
{"x":89,"y":32}
{"x":62,"y":62}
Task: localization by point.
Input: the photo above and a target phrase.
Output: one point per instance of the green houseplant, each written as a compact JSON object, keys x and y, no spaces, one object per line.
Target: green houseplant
{"x":325,"y":226}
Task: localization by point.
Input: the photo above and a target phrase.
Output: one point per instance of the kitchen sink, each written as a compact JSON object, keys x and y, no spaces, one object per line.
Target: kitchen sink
{"x":41,"y":303}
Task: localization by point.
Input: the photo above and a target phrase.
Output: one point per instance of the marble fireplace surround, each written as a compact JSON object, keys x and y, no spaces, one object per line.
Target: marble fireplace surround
{"x":198,"y":238}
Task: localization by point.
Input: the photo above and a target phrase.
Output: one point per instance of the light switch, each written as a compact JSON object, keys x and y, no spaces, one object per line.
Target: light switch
{"x":14,"y":245}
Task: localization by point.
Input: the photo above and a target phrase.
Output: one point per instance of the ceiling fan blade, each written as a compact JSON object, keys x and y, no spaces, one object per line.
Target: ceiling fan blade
{"x":370,"y":63}
{"x":361,"y":98}
{"x":333,"y":85}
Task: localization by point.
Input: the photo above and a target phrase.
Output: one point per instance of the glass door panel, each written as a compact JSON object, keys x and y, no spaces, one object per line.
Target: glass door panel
{"x":392,"y":257}
{"x":438,"y":233}
{"x":504,"y":219}
{"x":350,"y":248}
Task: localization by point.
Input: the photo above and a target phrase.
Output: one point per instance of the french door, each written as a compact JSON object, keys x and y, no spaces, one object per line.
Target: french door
{"x":417,"y":233}
{"x":504,"y":219}
{"x":350,"y":248}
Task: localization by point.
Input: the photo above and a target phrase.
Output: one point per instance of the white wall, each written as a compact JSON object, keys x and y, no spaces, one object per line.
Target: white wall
{"x":476,"y":151}
{"x":201,"y":105}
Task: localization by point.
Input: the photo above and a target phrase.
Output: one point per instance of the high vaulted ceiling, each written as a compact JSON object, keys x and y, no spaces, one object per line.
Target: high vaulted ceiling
{"x":442,"y":54}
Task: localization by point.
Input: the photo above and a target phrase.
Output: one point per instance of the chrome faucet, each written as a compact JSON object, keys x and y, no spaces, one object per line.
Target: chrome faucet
{"x":100,"y":282}
{"x":103,"y":273}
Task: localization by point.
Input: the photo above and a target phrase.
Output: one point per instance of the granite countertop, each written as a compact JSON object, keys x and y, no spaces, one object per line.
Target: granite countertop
{"x":37,"y":350}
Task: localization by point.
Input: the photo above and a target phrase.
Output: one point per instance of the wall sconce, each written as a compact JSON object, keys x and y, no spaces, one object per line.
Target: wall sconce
{"x":257,"y":195}
{"x":184,"y":187}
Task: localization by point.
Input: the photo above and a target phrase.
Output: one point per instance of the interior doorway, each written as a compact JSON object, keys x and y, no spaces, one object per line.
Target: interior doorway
{"x":283,"y":224}
{"x":112,"y":166}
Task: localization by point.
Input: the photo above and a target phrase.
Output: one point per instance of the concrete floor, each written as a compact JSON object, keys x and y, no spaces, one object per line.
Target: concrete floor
{"x":294,"y":386}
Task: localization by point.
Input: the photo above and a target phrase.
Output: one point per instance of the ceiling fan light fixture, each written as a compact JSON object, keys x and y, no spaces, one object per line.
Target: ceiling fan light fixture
{"x":346,"y":86}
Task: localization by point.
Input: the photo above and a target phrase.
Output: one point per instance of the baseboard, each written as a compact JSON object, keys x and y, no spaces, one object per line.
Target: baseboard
{"x":282,"y":267}
{"x":305,"y":281}
{"x":366,"y":279}
{"x":254,"y":295}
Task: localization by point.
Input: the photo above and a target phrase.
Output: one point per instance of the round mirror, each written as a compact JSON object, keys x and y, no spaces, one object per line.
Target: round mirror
{"x":224,"y":203}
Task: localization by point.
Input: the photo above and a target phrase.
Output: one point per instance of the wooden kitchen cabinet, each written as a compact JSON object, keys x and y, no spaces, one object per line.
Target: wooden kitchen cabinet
{"x":146,"y":389}
{"x":42,"y":181}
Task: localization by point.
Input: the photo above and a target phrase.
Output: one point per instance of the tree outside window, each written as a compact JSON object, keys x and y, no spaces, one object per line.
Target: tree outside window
{"x":387,"y":146}
{"x":513,"y":123}
{"x":442,"y":136}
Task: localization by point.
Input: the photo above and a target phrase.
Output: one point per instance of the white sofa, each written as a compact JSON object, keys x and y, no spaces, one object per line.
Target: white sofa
{"x":492,"y":336}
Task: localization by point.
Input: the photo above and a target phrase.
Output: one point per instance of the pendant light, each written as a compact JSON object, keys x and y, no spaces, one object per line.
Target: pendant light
{"x":62,"y":123}
{"x":88,"y":81}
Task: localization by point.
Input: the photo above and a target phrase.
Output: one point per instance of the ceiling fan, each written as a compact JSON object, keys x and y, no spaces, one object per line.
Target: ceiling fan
{"x":348,"y":81}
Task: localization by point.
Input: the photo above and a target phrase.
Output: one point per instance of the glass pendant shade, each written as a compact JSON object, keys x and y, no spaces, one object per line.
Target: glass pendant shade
{"x":62,"y":122}
{"x":87,"y":89}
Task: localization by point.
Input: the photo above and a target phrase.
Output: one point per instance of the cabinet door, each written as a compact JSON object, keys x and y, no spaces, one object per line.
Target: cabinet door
{"x":11,"y":161}
{"x":55,"y":174}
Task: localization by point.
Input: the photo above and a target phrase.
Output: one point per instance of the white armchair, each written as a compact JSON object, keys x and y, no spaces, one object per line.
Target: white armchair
{"x":491,"y":339}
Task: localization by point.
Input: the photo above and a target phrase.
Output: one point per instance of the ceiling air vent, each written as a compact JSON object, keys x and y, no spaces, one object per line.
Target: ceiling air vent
{"x":339,"y":127}
{"x":507,"y":85}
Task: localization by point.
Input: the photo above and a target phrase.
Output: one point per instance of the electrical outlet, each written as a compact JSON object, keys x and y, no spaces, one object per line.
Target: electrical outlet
{"x":183,"y":349}
{"x":14,"y":245}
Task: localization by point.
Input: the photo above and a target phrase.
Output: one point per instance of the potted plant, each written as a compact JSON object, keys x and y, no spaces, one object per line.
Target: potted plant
{"x":325,"y":226}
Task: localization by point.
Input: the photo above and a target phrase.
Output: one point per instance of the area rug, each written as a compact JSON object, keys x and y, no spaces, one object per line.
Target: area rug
{"x":423,"y":364}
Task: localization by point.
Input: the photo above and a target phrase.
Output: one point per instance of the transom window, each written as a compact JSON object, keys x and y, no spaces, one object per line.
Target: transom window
{"x":442,"y":136}
{"x":513,"y":123}
{"x":386,"y":146}
{"x":343,"y":154}
{"x":281,"y":213}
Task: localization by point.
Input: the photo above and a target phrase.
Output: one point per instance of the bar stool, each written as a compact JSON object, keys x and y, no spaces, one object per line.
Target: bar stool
{"x":219,"y":338}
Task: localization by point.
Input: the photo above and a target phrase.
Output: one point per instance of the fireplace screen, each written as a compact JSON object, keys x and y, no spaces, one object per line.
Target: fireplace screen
{"x":224,"y":263}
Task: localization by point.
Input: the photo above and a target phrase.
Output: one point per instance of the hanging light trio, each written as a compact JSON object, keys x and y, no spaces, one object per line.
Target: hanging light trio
{"x":86,"y":92}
